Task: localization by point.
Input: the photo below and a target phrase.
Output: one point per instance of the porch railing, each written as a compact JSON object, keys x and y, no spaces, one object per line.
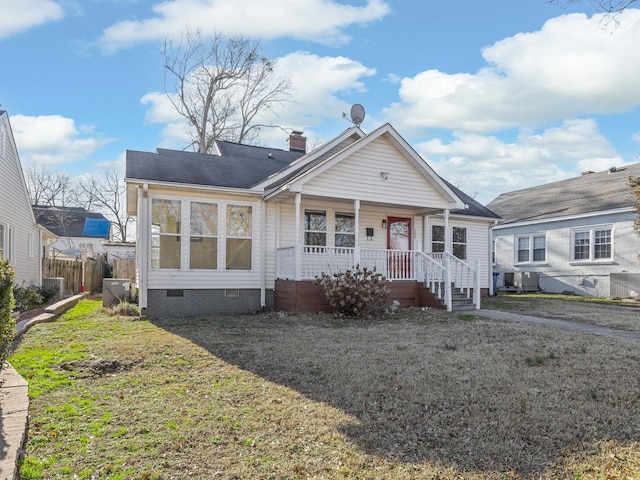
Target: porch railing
{"x":439,"y":272}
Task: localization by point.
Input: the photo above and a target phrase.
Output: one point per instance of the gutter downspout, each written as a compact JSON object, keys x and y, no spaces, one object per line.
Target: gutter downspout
{"x":263,"y":255}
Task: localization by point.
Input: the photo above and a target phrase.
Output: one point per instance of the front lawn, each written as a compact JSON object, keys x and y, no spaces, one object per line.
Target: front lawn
{"x":420,"y":395}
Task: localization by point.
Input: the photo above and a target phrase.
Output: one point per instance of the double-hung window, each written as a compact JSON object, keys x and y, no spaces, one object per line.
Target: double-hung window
{"x":531,"y":248}
{"x":437,"y":238}
{"x":315,"y":228}
{"x":589,"y":244}
{"x":345,"y":230}
{"x":165,"y":233}
{"x":203,"y":238}
{"x":239,"y":238}
{"x":460,"y":242}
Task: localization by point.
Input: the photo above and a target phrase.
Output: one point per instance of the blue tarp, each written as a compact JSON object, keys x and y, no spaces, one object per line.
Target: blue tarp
{"x":96,"y":227}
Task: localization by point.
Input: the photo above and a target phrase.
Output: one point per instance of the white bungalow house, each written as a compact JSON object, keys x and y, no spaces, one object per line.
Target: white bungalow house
{"x":573,"y":236}
{"x":252,"y":227}
{"x":21,"y":240}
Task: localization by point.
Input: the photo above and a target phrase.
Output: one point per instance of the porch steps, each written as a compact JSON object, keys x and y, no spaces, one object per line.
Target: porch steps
{"x":460,"y":302}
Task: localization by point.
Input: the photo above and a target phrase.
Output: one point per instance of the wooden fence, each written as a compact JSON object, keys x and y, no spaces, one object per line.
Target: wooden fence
{"x":124,"y":268}
{"x":71,"y":272}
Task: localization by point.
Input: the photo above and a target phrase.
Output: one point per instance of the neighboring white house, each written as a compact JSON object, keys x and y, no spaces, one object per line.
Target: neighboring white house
{"x":574,"y":235}
{"x":21,"y":239}
{"x":252,"y":227}
{"x":80,"y":233}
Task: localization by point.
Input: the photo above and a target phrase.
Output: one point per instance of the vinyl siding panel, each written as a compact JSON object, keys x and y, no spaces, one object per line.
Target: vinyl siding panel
{"x":185,"y":278}
{"x":15,"y":210}
{"x":559,"y":273}
{"x":358,"y":177}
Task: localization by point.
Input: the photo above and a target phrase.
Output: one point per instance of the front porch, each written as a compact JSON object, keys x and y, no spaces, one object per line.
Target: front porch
{"x":415,"y":278}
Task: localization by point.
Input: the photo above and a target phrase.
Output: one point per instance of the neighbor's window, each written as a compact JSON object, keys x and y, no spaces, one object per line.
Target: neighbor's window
{"x":437,"y":238}
{"x":203,"y":236}
{"x":532,"y":248}
{"x":315,"y":228}
{"x":460,"y":242}
{"x":239,"y":220}
{"x":592,"y":244}
{"x":165,"y":233}
{"x":345,"y":230}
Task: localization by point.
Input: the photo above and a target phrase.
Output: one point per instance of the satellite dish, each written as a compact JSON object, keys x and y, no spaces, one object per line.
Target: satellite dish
{"x":357,"y":114}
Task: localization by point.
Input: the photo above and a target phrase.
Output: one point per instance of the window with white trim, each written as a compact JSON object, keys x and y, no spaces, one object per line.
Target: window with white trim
{"x":592,"y":244}
{"x":345,"y":230}
{"x":531,"y":249}
{"x":203,"y":236}
{"x":165,"y":233}
{"x":460,"y":242}
{"x":437,"y":238}
{"x":7,"y":242}
{"x":239,"y":237}
{"x":315,"y":228}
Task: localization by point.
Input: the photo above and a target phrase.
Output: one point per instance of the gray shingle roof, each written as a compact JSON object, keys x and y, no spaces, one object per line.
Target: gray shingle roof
{"x":67,"y":221}
{"x":593,"y":192}
{"x":476,"y":209}
{"x":238,"y":166}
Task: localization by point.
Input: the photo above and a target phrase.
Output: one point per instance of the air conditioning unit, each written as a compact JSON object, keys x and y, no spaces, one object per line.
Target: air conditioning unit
{"x":57,"y":283}
{"x":624,"y":285}
{"x":114,"y":291}
{"x":521,"y":281}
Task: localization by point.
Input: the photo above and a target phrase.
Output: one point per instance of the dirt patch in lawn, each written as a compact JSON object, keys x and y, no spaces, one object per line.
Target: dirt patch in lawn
{"x":431,"y":388}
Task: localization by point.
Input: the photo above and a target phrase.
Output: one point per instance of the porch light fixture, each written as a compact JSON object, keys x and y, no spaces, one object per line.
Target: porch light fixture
{"x":384,"y":223}
{"x":384,"y":175}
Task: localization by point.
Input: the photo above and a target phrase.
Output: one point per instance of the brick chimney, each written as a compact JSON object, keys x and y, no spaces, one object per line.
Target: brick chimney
{"x":297,"y":143}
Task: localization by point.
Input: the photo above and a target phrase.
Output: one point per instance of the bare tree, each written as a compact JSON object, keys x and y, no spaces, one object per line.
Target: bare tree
{"x":50,"y":187}
{"x":220,"y":85}
{"x":607,"y":6}
{"x":106,"y":193}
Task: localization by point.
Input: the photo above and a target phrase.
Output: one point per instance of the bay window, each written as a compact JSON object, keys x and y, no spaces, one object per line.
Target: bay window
{"x":165,"y":233}
{"x":203,"y":238}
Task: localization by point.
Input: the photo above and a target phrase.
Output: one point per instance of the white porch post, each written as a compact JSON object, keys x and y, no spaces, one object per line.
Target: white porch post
{"x":143,"y":250}
{"x":476,"y":289}
{"x":298,"y":248}
{"x":263,"y":255}
{"x":356,"y":249}
{"x":447,"y":264}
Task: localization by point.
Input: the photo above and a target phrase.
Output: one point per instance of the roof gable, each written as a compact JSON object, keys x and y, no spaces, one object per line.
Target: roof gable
{"x":587,"y":194}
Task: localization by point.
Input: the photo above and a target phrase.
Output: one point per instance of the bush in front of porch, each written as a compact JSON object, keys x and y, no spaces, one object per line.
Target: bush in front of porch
{"x":354,"y":293}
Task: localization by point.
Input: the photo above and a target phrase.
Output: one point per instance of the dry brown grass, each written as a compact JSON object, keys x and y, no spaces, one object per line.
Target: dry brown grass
{"x":421,"y":395}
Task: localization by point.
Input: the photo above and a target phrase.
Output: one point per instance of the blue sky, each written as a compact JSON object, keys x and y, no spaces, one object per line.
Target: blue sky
{"x":496,"y":95}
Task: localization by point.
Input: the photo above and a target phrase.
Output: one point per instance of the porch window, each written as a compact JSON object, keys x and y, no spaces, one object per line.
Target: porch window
{"x":437,"y":238}
{"x":239,"y":238}
{"x":203,"y":239}
{"x":345,"y":230}
{"x":315,"y":228}
{"x":531,"y":248}
{"x":592,"y":244}
{"x":165,"y":233}
{"x":460,"y":242}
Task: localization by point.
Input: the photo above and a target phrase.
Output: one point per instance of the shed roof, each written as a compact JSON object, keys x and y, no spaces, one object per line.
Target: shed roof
{"x":589,"y":193}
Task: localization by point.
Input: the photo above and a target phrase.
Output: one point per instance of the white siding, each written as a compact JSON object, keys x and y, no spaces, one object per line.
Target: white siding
{"x":185,"y":278}
{"x":359,"y":177}
{"x":559,"y":273}
{"x":15,"y":209}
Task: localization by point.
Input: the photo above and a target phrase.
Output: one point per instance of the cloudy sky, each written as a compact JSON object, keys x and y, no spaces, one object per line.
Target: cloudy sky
{"x":496,"y":95}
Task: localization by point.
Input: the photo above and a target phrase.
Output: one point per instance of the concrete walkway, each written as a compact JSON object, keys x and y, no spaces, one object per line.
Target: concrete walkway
{"x":14,"y":399}
{"x":553,"y":322}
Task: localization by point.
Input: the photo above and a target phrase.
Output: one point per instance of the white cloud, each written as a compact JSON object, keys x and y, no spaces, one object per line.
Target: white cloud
{"x":16,"y":16}
{"x":573,"y":65}
{"x":53,"y":139}
{"x":320,"y":21}
{"x":488,"y":166}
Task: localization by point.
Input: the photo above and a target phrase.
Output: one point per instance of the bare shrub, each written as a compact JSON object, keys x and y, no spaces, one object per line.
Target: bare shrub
{"x":355,"y":293}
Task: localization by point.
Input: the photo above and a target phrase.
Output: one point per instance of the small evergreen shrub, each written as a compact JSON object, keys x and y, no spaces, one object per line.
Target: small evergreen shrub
{"x":30,"y":296}
{"x":354,"y":293}
{"x":7,"y":323}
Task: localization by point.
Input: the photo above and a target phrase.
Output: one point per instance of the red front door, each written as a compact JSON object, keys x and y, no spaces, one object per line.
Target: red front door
{"x":399,"y":241}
